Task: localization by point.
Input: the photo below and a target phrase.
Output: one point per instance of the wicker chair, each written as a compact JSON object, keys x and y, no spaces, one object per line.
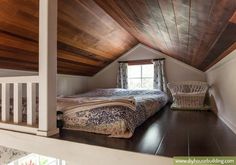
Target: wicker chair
{"x":189,"y":95}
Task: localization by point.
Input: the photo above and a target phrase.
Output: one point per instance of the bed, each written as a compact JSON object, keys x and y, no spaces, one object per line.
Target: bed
{"x":113,"y":112}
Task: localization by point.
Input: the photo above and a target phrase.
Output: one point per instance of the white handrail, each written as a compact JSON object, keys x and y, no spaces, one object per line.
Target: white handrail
{"x":15,"y":107}
{"x":19,"y":79}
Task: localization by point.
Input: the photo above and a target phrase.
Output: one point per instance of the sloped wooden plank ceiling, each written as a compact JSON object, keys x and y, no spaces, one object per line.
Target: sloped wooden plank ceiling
{"x":184,"y":29}
{"x":93,"y":33}
{"x":88,"y":38}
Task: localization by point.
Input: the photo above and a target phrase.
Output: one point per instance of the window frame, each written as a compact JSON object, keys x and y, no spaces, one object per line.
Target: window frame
{"x":141,"y":75}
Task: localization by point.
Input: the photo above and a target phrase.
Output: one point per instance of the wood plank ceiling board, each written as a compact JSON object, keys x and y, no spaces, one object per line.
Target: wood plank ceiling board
{"x":19,"y":34}
{"x":187,"y":30}
{"x":221,"y":12}
{"x":86,"y":30}
{"x":93,"y":33}
{"x":88,"y":38}
{"x":224,"y":42}
{"x":137,"y":19}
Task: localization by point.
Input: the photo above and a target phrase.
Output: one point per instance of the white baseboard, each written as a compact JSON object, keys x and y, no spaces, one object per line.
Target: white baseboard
{"x":27,"y":129}
{"x":47,"y":133}
{"x":18,"y":128}
{"x":228,"y":123}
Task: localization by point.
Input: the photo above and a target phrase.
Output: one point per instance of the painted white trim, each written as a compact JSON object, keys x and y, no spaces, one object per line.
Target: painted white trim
{"x":5,"y":103}
{"x":31,"y":103}
{"x":18,"y":128}
{"x":77,"y":153}
{"x":228,"y":123}
{"x":19,"y":71}
{"x":70,"y":76}
{"x":17,"y":105}
{"x":29,"y":73}
{"x":47,"y":64}
{"x":228,"y":59}
{"x":19,"y":79}
{"x":48,"y":133}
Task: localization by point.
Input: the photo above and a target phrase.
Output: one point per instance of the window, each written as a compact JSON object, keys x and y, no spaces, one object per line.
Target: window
{"x":140,"y":76}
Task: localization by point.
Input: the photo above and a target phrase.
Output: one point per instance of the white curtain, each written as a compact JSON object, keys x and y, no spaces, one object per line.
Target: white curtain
{"x":159,"y":76}
{"x":122,"y":76}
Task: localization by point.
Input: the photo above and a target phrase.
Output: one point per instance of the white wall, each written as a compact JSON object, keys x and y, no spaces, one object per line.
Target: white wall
{"x":66,"y":84}
{"x":69,"y":85}
{"x":175,"y":70}
{"x":222,"y":79}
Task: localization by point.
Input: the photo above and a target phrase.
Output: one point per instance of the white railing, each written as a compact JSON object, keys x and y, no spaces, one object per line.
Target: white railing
{"x":13,"y":91}
{"x":13,"y":88}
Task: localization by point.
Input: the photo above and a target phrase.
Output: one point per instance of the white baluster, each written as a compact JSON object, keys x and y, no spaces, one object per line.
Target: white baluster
{"x":17,"y":113}
{"x":5,"y":102}
{"x":31,"y":103}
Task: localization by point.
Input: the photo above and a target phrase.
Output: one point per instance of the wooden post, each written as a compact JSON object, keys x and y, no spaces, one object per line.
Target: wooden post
{"x":47,"y":67}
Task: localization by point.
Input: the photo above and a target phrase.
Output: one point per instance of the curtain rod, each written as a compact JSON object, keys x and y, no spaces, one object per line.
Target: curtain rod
{"x":158,"y":59}
{"x":146,"y":60}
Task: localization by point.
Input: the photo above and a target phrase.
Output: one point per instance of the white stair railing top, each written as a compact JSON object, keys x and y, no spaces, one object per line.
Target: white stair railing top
{"x":18,"y":111}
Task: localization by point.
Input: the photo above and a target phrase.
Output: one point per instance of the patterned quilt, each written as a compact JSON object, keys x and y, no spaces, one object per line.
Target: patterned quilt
{"x":114,"y":112}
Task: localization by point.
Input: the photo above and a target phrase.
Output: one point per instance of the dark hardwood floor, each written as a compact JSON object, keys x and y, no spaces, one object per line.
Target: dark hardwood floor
{"x":170,"y":133}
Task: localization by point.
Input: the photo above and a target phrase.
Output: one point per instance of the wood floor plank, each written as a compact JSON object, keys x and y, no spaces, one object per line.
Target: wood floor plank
{"x":170,"y":133}
{"x":201,"y":143}
{"x":175,"y":143}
